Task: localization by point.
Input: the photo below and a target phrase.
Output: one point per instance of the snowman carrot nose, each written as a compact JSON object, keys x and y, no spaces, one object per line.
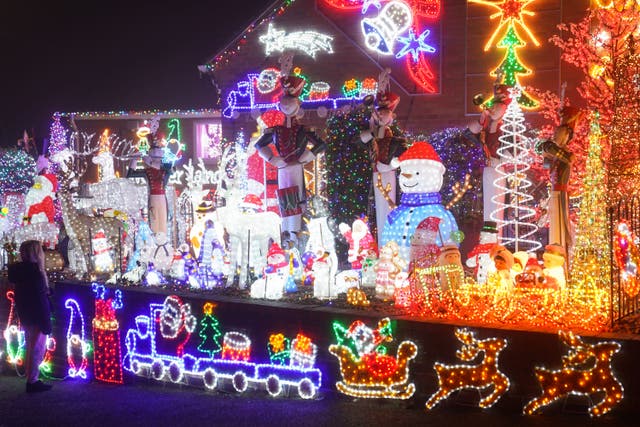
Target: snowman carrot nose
{"x":407,"y":175}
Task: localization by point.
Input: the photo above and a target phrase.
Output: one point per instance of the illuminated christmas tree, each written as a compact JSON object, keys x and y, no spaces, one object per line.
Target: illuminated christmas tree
{"x":512,"y":67}
{"x":514,"y":215}
{"x":17,"y":170}
{"x":57,"y":140}
{"x":590,"y":265}
{"x":348,"y":169}
{"x":511,"y":14}
{"x":209,"y":332}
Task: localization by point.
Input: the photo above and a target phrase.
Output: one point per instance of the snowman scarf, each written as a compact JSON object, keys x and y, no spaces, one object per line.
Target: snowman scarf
{"x":414,"y":200}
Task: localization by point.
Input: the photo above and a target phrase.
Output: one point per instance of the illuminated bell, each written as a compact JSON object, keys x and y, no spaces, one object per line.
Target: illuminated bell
{"x":381,"y":32}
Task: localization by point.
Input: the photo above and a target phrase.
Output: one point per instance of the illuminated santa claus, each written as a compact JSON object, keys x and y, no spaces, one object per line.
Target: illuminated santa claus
{"x":39,"y":200}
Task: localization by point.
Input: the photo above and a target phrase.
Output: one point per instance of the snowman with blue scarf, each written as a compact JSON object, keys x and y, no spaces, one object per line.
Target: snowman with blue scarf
{"x":420,"y":180}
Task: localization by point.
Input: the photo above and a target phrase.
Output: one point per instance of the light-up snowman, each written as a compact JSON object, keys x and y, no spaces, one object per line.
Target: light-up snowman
{"x":421,"y":177}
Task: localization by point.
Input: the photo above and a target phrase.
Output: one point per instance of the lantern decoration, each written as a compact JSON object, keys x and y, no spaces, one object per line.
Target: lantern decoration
{"x":627,"y":255}
{"x":367,"y":372}
{"x":479,"y":376}
{"x":303,"y":352}
{"x":106,"y":336}
{"x":77,"y":346}
{"x":236,"y":346}
{"x":586,"y":370}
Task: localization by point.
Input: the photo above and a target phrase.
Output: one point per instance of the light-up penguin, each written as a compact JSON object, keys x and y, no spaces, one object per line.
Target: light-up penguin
{"x":291,"y":152}
{"x":420,"y":180}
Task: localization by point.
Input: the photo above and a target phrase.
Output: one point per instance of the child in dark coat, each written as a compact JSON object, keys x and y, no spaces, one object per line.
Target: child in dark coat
{"x":32,"y":303}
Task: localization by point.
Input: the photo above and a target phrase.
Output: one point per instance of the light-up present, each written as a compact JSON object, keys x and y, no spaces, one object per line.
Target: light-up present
{"x":477,"y":376}
{"x":586,"y":370}
{"x":106,"y":336}
{"x":366,"y":371}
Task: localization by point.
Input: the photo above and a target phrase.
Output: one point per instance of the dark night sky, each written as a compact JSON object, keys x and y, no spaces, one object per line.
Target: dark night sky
{"x":104,"y":55}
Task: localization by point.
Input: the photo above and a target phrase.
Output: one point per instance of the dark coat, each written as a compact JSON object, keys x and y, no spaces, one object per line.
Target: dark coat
{"x":32,"y":295}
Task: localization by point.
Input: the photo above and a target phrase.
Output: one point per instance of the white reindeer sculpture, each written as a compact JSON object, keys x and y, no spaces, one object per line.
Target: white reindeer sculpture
{"x":586,"y":370}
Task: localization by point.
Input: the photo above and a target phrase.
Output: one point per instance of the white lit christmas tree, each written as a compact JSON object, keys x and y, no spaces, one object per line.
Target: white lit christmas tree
{"x":514,"y":214}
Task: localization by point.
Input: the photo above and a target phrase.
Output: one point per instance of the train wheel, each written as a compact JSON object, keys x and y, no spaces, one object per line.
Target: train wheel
{"x":157,"y":369}
{"x":306,"y":389}
{"x":175,"y":372}
{"x":273,"y":385}
{"x":210,"y":378}
{"x":135,"y":367}
{"x":240,"y":382}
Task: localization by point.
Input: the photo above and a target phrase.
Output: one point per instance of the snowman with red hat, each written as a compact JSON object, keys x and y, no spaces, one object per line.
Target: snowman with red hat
{"x":277,"y":277}
{"x":290,"y":141}
{"x":421,"y":176}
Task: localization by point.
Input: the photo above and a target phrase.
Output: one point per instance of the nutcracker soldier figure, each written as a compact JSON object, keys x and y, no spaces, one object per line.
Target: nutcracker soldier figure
{"x":386,"y":144}
{"x":291,"y":141}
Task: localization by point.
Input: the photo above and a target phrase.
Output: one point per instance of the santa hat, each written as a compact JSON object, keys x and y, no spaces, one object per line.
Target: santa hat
{"x":274,"y":250}
{"x":251,"y":201}
{"x":556,"y":249}
{"x":387,"y":100}
{"x":99,"y":235}
{"x":429,"y":224}
{"x":532,"y":262}
{"x":422,"y":151}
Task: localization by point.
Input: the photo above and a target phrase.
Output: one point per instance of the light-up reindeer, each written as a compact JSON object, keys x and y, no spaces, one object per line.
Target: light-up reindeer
{"x":80,"y":227}
{"x":77,"y":346}
{"x":479,"y":376}
{"x":586,"y":370}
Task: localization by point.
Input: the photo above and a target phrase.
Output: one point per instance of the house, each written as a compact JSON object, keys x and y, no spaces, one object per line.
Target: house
{"x":440,"y":53}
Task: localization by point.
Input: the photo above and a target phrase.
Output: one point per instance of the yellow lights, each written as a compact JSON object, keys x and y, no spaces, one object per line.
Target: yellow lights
{"x":357,"y":297}
{"x":586,"y":370}
{"x":511,"y":12}
{"x":479,"y":376}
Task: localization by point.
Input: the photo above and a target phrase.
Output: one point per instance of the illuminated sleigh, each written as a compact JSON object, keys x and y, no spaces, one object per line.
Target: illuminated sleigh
{"x":369,"y":373}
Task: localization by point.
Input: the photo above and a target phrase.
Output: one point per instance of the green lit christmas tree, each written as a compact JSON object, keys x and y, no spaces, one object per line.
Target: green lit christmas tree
{"x":512,"y":67}
{"x":209,"y":331}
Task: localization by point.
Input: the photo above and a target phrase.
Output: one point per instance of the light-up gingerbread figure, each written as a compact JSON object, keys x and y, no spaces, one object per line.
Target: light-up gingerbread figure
{"x":479,"y":376}
{"x":586,"y":370}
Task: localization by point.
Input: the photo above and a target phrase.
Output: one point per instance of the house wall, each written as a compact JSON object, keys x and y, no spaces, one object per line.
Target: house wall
{"x":462,"y":66}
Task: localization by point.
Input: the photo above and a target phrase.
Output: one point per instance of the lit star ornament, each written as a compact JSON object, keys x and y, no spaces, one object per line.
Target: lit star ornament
{"x":415,"y":45}
{"x":511,"y":12}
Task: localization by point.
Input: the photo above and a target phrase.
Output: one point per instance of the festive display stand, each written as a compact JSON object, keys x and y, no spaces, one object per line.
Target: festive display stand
{"x":252,"y":339}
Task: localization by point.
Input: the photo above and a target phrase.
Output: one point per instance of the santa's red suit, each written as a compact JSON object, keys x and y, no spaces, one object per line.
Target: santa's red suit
{"x":46,"y":207}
